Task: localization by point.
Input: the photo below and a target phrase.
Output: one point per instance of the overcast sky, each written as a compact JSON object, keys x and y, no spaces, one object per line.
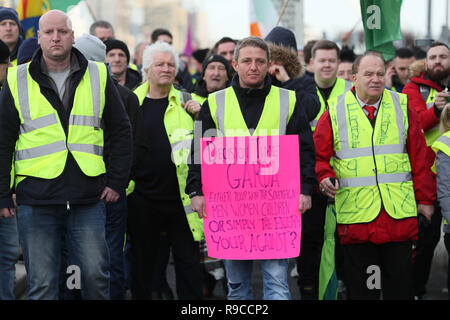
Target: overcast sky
{"x":231,"y":17}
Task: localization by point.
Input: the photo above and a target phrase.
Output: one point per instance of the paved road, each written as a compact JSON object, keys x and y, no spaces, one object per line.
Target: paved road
{"x":437,"y":288}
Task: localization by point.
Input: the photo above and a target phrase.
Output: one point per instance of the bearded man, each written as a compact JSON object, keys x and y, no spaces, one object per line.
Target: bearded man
{"x":427,"y":94}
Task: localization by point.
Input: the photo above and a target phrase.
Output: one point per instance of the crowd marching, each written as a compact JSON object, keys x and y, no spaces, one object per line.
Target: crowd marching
{"x":95,"y":175}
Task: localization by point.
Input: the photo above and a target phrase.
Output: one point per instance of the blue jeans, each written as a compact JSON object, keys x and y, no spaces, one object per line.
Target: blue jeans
{"x":116,"y":225}
{"x":41,"y":233}
{"x":9,"y":254}
{"x":239,"y":276}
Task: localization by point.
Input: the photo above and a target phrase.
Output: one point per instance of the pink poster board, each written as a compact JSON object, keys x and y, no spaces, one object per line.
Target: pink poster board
{"x":251,"y":187}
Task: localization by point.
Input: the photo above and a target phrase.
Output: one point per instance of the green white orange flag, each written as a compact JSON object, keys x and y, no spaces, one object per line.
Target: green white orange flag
{"x":263,"y":17}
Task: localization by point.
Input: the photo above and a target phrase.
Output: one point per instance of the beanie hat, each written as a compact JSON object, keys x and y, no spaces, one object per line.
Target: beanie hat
{"x":4,"y":51}
{"x":117,"y":44}
{"x":200,"y":54}
{"x":26,"y":50}
{"x":91,"y":47}
{"x":9,"y":13}
{"x":216,"y":58}
{"x":282,"y":37}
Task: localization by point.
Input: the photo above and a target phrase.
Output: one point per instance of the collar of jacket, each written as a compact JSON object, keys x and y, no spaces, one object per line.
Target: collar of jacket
{"x":249,"y":91}
{"x":425,"y":80}
{"x":39,"y":76}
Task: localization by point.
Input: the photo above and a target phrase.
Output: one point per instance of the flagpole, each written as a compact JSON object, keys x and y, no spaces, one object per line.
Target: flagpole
{"x":90,"y":10}
{"x":282,"y":12}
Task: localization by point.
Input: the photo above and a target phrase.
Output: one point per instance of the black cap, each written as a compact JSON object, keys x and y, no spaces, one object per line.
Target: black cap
{"x":26,"y":50}
{"x":282,"y":36}
{"x":117,"y":44}
{"x":216,"y":58}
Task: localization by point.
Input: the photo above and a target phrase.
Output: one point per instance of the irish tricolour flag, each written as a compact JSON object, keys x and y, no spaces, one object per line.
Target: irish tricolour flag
{"x":263,"y":17}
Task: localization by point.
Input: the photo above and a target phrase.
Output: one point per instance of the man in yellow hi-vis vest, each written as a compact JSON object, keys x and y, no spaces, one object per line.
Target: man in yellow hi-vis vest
{"x":427,"y":95}
{"x":382,"y":182}
{"x":252,"y":102}
{"x":54,"y":113}
{"x":10,"y":32}
{"x":325,"y":60}
{"x":158,"y":202}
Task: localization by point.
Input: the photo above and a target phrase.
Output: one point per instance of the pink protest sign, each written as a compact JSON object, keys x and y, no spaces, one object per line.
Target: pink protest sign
{"x":251,"y":187}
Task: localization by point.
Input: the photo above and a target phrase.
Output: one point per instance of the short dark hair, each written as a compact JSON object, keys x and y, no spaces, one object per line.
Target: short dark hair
{"x":324,"y":45}
{"x":437,"y":44}
{"x":223,"y":40}
{"x":404,"y":53}
{"x":160,"y":31}
{"x":251,"y":42}
{"x":100,"y":24}
{"x":307,"y":50}
{"x":357,"y":62}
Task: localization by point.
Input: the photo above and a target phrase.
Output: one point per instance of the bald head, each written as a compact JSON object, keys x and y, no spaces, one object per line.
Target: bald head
{"x":55,"y":36}
{"x":55,"y":15}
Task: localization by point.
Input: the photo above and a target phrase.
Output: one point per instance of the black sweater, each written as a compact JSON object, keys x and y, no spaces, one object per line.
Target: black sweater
{"x":72,"y":185}
{"x":251,"y":102}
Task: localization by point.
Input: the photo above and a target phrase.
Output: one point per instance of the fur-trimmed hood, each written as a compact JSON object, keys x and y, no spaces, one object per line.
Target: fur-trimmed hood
{"x":288,"y":58}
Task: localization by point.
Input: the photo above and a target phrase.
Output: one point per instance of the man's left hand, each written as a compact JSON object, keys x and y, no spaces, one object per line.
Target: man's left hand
{"x":304,"y":203}
{"x":192,"y":106}
{"x":109,"y":195}
{"x":279,"y":72}
{"x":426,"y":210}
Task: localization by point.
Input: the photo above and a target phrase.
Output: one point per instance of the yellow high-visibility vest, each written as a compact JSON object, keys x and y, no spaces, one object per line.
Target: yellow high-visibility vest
{"x":442,"y":144}
{"x":226,"y":113}
{"x":42,"y":146}
{"x":371,"y":163}
{"x":340,"y":87}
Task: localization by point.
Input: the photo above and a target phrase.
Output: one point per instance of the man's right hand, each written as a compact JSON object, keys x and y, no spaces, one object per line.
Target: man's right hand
{"x":198,"y":205}
{"x":6,"y":212}
{"x":328,"y":188}
{"x":441,"y":99}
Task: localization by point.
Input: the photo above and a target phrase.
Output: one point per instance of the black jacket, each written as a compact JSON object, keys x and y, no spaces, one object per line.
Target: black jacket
{"x":251,"y":102}
{"x":306,"y":93}
{"x":72,"y":185}
{"x":133,"y":79}
{"x":131,"y":103}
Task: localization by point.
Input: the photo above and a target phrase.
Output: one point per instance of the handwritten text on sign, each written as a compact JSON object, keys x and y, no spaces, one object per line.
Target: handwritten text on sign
{"x":251,"y":187}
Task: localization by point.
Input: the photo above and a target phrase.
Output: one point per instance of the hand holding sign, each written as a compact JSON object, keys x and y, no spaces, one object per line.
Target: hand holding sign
{"x":252,"y":197}
{"x":198,"y":205}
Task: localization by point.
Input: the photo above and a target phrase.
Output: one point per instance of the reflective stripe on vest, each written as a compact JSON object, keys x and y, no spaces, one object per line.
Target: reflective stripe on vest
{"x":371,"y":163}
{"x":32,"y":154}
{"x":285,"y":108}
{"x":340,"y":87}
{"x":429,"y":96}
{"x":79,"y":120}
{"x":442,"y":144}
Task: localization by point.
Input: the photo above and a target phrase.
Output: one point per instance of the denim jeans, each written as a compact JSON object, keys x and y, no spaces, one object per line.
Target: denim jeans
{"x":41,"y":233}
{"x":116,"y":225}
{"x":9,"y":254}
{"x":275,"y":284}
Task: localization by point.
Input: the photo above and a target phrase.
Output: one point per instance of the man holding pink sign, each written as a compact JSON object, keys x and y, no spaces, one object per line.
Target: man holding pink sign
{"x":246,"y":183}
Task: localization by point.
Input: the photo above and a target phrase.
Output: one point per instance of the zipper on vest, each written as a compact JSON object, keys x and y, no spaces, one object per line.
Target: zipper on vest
{"x":375,"y":162}
{"x":68,"y":206}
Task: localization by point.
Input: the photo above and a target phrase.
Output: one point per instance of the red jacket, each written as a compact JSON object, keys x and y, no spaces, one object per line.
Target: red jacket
{"x":384,"y":228}
{"x":428,"y":117}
